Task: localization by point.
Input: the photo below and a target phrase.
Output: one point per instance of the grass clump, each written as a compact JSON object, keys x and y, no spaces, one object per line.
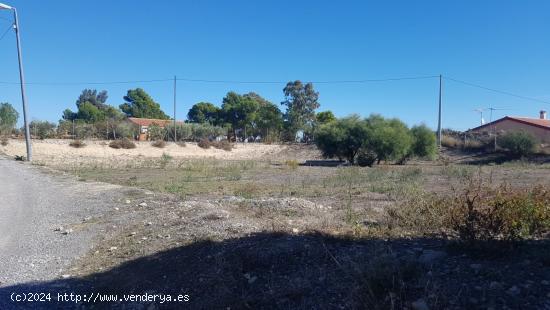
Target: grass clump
{"x":164,"y":160}
{"x":159,"y":143}
{"x":4,"y":141}
{"x":292,"y":164}
{"x":122,"y":144}
{"x":476,"y":213}
{"x":77,"y":144}
{"x":482,"y":213}
{"x":204,"y":143}
{"x":181,"y":143}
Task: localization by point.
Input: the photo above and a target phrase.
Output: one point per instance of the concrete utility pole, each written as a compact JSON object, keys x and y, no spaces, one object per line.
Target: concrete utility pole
{"x":439,"y":115}
{"x":175,"y":131}
{"x":22,"y":79}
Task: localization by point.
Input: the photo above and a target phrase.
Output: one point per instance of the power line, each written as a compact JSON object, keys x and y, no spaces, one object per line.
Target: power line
{"x":5,"y":32}
{"x":496,"y":90}
{"x":90,"y":83}
{"x":11,"y":22}
{"x":279,"y":82}
{"x":225,"y":81}
{"x":315,"y":82}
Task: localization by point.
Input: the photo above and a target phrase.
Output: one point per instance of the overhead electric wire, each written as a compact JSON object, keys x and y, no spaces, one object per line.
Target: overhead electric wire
{"x":281,"y":82}
{"x":5,"y":32}
{"x":90,"y":83}
{"x":315,"y":82}
{"x":226,"y":81}
{"x":496,"y":90}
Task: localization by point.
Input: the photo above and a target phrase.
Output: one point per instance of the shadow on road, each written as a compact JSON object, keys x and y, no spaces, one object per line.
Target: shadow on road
{"x":312,"y":271}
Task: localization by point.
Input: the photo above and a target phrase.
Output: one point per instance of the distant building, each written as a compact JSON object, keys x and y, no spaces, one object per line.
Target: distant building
{"x":144,"y":123}
{"x":537,"y":127}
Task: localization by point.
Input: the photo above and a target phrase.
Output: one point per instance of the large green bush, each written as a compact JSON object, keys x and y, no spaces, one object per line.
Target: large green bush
{"x":370,"y":140}
{"x":390,"y":139}
{"x":42,"y":129}
{"x":342,"y":138}
{"x":518,"y":143}
{"x":183,"y":132}
{"x":424,"y":143}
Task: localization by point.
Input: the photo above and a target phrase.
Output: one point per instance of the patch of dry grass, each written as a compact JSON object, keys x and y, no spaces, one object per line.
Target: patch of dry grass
{"x":159,"y":143}
{"x":77,"y":144}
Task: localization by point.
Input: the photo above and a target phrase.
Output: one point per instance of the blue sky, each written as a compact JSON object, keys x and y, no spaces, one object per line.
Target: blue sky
{"x":498,"y":44}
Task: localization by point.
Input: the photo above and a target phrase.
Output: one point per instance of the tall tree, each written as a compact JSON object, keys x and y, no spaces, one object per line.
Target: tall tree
{"x":325,"y":117}
{"x":91,"y":107}
{"x":8,"y":117}
{"x":301,"y":101}
{"x":92,"y":96}
{"x":239,"y":111}
{"x":269,"y":119}
{"x":203,"y":112}
{"x":140,"y":104}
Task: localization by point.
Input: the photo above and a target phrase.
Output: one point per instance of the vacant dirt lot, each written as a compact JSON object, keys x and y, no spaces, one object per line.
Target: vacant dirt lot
{"x":58,"y":151}
{"x":269,"y":232}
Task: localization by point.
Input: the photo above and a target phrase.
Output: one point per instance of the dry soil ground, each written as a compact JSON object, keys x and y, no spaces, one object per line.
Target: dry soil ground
{"x":255,"y":228}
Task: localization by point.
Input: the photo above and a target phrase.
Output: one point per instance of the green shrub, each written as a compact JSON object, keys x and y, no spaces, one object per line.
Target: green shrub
{"x":77,"y":144}
{"x":125,"y":130}
{"x":342,"y":138}
{"x":517,"y":143}
{"x":424,"y":142}
{"x":159,"y":143}
{"x":42,"y":129}
{"x":183,"y":132}
{"x":390,"y":139}
{"x":122,"y":144}
{"x":155,"y":132}
{"x":84,"y":131}
{"x":387,"y":139}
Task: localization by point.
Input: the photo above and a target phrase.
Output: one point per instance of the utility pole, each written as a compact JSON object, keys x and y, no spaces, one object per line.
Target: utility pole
{"x":439,"y":114}
{"x":22,"y":79}
{"x":175,"y":131}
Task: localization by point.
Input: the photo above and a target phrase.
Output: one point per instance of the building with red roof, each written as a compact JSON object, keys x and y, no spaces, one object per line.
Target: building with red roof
{"x":144,"y":123}
{"x":537,"y":127}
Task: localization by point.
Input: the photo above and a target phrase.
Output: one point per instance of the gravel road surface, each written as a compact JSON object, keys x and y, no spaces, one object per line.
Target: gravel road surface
{"x":46,"y":221}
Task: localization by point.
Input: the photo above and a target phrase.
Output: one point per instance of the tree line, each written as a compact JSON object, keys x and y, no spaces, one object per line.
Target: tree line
{"x":239,"y":117}
{"x":242,"y":117}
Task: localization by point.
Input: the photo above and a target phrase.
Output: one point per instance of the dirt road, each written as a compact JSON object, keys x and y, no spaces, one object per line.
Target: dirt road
{"x":45,"y":222}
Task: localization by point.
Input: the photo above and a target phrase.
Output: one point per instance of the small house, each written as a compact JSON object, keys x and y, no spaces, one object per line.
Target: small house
{"x":143,"y":125}
{"x":539,"y":127}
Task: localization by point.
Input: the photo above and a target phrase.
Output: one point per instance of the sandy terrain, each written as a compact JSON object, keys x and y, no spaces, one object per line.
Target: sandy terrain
{"x":58,"y":151}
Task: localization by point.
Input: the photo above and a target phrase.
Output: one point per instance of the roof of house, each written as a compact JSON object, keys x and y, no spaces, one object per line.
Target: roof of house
{"x":151,"y":121}
{"x":536,"y":122}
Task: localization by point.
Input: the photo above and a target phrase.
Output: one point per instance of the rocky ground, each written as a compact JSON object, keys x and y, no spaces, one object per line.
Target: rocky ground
{"x":298,"y":238}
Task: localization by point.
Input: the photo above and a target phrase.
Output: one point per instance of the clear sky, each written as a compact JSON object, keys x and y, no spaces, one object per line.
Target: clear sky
{"x":498,"y":44}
